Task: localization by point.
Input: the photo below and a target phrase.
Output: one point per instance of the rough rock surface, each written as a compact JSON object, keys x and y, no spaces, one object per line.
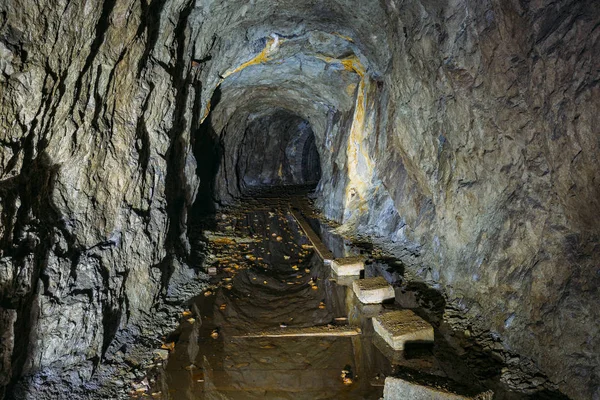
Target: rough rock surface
{"x":95,"y":167}
{"x":461,"y":135}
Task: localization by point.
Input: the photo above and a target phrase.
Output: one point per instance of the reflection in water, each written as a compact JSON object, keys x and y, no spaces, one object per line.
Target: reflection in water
{"x":270,"y":280}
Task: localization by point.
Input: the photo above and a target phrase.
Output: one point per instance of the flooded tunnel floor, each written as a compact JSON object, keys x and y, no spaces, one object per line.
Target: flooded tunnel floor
{"x":275,"y":323}
{"x":269,"y":283}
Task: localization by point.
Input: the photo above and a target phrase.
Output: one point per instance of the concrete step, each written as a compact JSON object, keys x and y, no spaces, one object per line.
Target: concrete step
{"x":344,"y":280}
{"x":403,"y":326}
{"x":348,"y":266}
{"x":429,"y":388}
{"x":373,"y":290}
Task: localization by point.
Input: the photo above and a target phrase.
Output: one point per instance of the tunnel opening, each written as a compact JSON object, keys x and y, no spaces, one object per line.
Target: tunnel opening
{"x":277,"y":150}
{"x":273,"y":151}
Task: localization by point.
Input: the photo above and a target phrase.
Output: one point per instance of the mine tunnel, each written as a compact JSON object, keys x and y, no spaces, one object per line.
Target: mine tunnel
{"x":328,"y":199}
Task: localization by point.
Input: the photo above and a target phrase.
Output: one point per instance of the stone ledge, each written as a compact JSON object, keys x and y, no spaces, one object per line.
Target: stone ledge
{"x":434,"y":388}
{"x":348,"y":266}
{"x":373,"y":290}
{"x":402,"y":326}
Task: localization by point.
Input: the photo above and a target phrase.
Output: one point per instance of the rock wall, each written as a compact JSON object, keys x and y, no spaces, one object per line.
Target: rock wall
{"x":485,"y":171}
{"x":95,"y":165}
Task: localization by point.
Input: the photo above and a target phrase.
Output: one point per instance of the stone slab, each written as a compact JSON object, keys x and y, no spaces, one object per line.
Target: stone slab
{"x":344,"y":280}
{"x":400,"y":327}
{"x":348,"y":266}
{"x":373,"y":290}
{"x":401,"y":389}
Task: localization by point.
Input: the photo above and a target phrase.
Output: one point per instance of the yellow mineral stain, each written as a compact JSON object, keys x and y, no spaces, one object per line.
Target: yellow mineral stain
{"x":356,"y":150}
{"x":350,"y":89}
{"x":270,"y":48}
{"x":347,"y":38}
{"x":351,"y":63}
{"x":206,"y":110}
{"x":261,"y":58}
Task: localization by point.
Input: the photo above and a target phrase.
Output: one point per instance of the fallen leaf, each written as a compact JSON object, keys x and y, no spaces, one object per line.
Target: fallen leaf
{"x":168,"y":346}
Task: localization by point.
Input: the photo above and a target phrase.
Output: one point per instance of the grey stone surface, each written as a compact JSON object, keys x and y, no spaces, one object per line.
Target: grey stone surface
{"x":348,"y":266}
{"x":402,"y":327}
{"x":399,"y":389}
{"x":373,"y":290}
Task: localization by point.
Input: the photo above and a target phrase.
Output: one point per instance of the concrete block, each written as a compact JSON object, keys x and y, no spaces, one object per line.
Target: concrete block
{"x":401,"y":389}
{"x":373,"y":290}
{"x":348,"y":266}
{"x":346,"y":280}
{"x":402,"y":326}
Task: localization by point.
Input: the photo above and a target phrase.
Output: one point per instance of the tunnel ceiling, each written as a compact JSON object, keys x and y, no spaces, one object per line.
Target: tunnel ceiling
{"x":311,"y":75}
{"x":296,"y":54}
{"x":311,"y":68}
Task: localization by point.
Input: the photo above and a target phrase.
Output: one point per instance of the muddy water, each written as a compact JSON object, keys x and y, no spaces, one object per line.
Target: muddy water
{"x":269,"y":280}
{"x":242,"y":338}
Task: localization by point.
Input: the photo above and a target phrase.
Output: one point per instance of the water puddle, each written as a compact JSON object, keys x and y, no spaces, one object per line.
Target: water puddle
{"x":276,"y":324}
{"x":270,"y":283}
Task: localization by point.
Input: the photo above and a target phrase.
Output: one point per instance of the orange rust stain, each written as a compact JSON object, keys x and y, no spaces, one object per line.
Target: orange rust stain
{"x":261,"y":58}
{"x":351,"y":63}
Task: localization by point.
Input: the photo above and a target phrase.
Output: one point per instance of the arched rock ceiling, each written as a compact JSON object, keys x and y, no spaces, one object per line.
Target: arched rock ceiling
{"x":301,"y":56}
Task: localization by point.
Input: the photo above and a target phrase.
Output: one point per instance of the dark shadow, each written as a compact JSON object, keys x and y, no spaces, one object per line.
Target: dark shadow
{"x":278,"y":153}
{"x":311,"y":164}
{"x":208,"y":152}
{"x":416,"y":350}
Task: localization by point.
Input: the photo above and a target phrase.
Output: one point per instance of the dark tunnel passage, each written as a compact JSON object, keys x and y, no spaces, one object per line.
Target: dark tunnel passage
{"x":278,"y":150}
